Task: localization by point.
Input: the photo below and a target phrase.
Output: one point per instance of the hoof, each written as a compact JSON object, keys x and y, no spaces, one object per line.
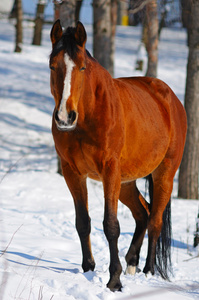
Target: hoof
{"x":115,"y":285}
{"x":148,"y":271}
{"x":131,"y":270}
{"x":88,"y":265}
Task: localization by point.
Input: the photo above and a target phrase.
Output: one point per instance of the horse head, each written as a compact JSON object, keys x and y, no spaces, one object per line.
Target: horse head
{"x":67,"y":64}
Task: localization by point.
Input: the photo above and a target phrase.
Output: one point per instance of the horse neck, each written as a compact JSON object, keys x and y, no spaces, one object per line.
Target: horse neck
{"x":98,"y":100}
{"x":98,"y":83}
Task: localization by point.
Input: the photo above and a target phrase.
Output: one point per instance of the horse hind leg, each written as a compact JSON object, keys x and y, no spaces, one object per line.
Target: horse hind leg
{"x":131,"y":197}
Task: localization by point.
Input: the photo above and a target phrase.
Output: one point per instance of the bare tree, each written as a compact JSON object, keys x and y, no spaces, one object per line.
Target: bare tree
{"x":39,"y":20}
{"x":186,"y":16}
{"x":56,"y":10}
{"x":102,"y":31}
{"x":114,"y":9}
{"x":189,"y":170}
{"x":104,"y":28}
{"x":77,"y":10}
{"x":152,"y":38}
{"x":164,"y":11}
{"x":13,"y":13}
{"x":150,"y":26}
{"x":19,"y":28}
{"x":65,"y":11}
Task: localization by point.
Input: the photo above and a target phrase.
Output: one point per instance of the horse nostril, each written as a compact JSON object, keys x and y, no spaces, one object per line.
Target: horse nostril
{"x":58,"y":119}
{"x":56,"y":116}
{"x":72,"y":116}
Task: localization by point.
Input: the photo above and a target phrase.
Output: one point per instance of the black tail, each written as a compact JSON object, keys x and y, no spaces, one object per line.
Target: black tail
{"x":163,"y":247}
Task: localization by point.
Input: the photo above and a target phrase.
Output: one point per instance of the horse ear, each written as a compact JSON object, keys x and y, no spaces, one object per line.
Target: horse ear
{"x":56,"y":32}
{"x":80,"y":34}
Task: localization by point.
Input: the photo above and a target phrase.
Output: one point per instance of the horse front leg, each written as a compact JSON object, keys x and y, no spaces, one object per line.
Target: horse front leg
{"x":78,"y":189}
{"x":111,"y":183}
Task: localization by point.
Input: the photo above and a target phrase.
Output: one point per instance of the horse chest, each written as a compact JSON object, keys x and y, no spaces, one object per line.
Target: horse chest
{"x":83,"y":158}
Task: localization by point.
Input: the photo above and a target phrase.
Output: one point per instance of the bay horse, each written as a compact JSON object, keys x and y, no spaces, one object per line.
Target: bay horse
{"x":115,"y":131}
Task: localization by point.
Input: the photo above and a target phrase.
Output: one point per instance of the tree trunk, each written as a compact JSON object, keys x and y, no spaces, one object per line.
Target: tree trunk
{"x":56,"y":11}
{"x":186,"y":16}
{"x":67,"y":13}
{"x":152,"y":41}
{"x":114,"y":8}
{"x":13,"y":13}
{"x":189,"y":170}
{"x":19,"y":28}
{"x":102,"y":32}
{"x":164,"y":12}
{"x":39,"y":20}
{"x":77,"y":10}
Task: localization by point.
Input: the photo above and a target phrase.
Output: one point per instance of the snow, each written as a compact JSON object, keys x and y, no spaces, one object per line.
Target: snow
{"x":40,"y":249}
{"x":6,"y":5}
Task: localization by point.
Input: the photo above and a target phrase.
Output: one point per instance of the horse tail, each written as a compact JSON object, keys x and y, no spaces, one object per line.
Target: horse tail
{"x":163,"y":247}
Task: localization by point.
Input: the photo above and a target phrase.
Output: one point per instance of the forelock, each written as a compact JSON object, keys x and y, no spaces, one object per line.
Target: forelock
{"x":66,"y":43}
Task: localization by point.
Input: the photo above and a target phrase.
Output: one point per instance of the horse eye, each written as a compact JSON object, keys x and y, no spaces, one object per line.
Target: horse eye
{"x":82,"y":69}
{"x":52,"y":68}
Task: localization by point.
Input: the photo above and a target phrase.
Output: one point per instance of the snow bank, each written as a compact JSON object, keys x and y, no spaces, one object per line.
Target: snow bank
{"x":40,"y":249}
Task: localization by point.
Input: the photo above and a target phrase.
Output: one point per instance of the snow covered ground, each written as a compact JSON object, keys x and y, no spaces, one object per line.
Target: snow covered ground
{"x":40,"y":254}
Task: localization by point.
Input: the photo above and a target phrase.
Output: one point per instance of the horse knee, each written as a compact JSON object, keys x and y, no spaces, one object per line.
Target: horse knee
{"x":111,"y":228}
{"x":83,"y":228}
{"x":83,"y":224}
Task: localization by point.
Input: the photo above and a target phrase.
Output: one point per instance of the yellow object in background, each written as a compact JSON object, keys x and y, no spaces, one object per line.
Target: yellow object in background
{"x":125,"y":20}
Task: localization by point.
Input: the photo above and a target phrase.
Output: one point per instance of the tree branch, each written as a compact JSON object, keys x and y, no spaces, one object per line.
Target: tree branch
{"x":140,"y":6}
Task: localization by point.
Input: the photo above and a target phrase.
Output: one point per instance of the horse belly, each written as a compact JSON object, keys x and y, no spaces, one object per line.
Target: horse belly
{"x":135,"y":167}
{"x":145,"y":147}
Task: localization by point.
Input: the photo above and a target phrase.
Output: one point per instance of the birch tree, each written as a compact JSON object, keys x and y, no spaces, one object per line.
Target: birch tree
{"x":152,"y":38}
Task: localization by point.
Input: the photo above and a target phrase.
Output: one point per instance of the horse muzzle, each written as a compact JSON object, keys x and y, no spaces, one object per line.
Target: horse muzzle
{"x":69,"y":123}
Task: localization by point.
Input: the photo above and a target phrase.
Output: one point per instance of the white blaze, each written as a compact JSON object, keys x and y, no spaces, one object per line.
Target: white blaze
{"x":67,"y":88}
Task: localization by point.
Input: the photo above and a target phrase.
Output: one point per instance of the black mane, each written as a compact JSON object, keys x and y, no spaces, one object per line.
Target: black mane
{"x":66,"y":43}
